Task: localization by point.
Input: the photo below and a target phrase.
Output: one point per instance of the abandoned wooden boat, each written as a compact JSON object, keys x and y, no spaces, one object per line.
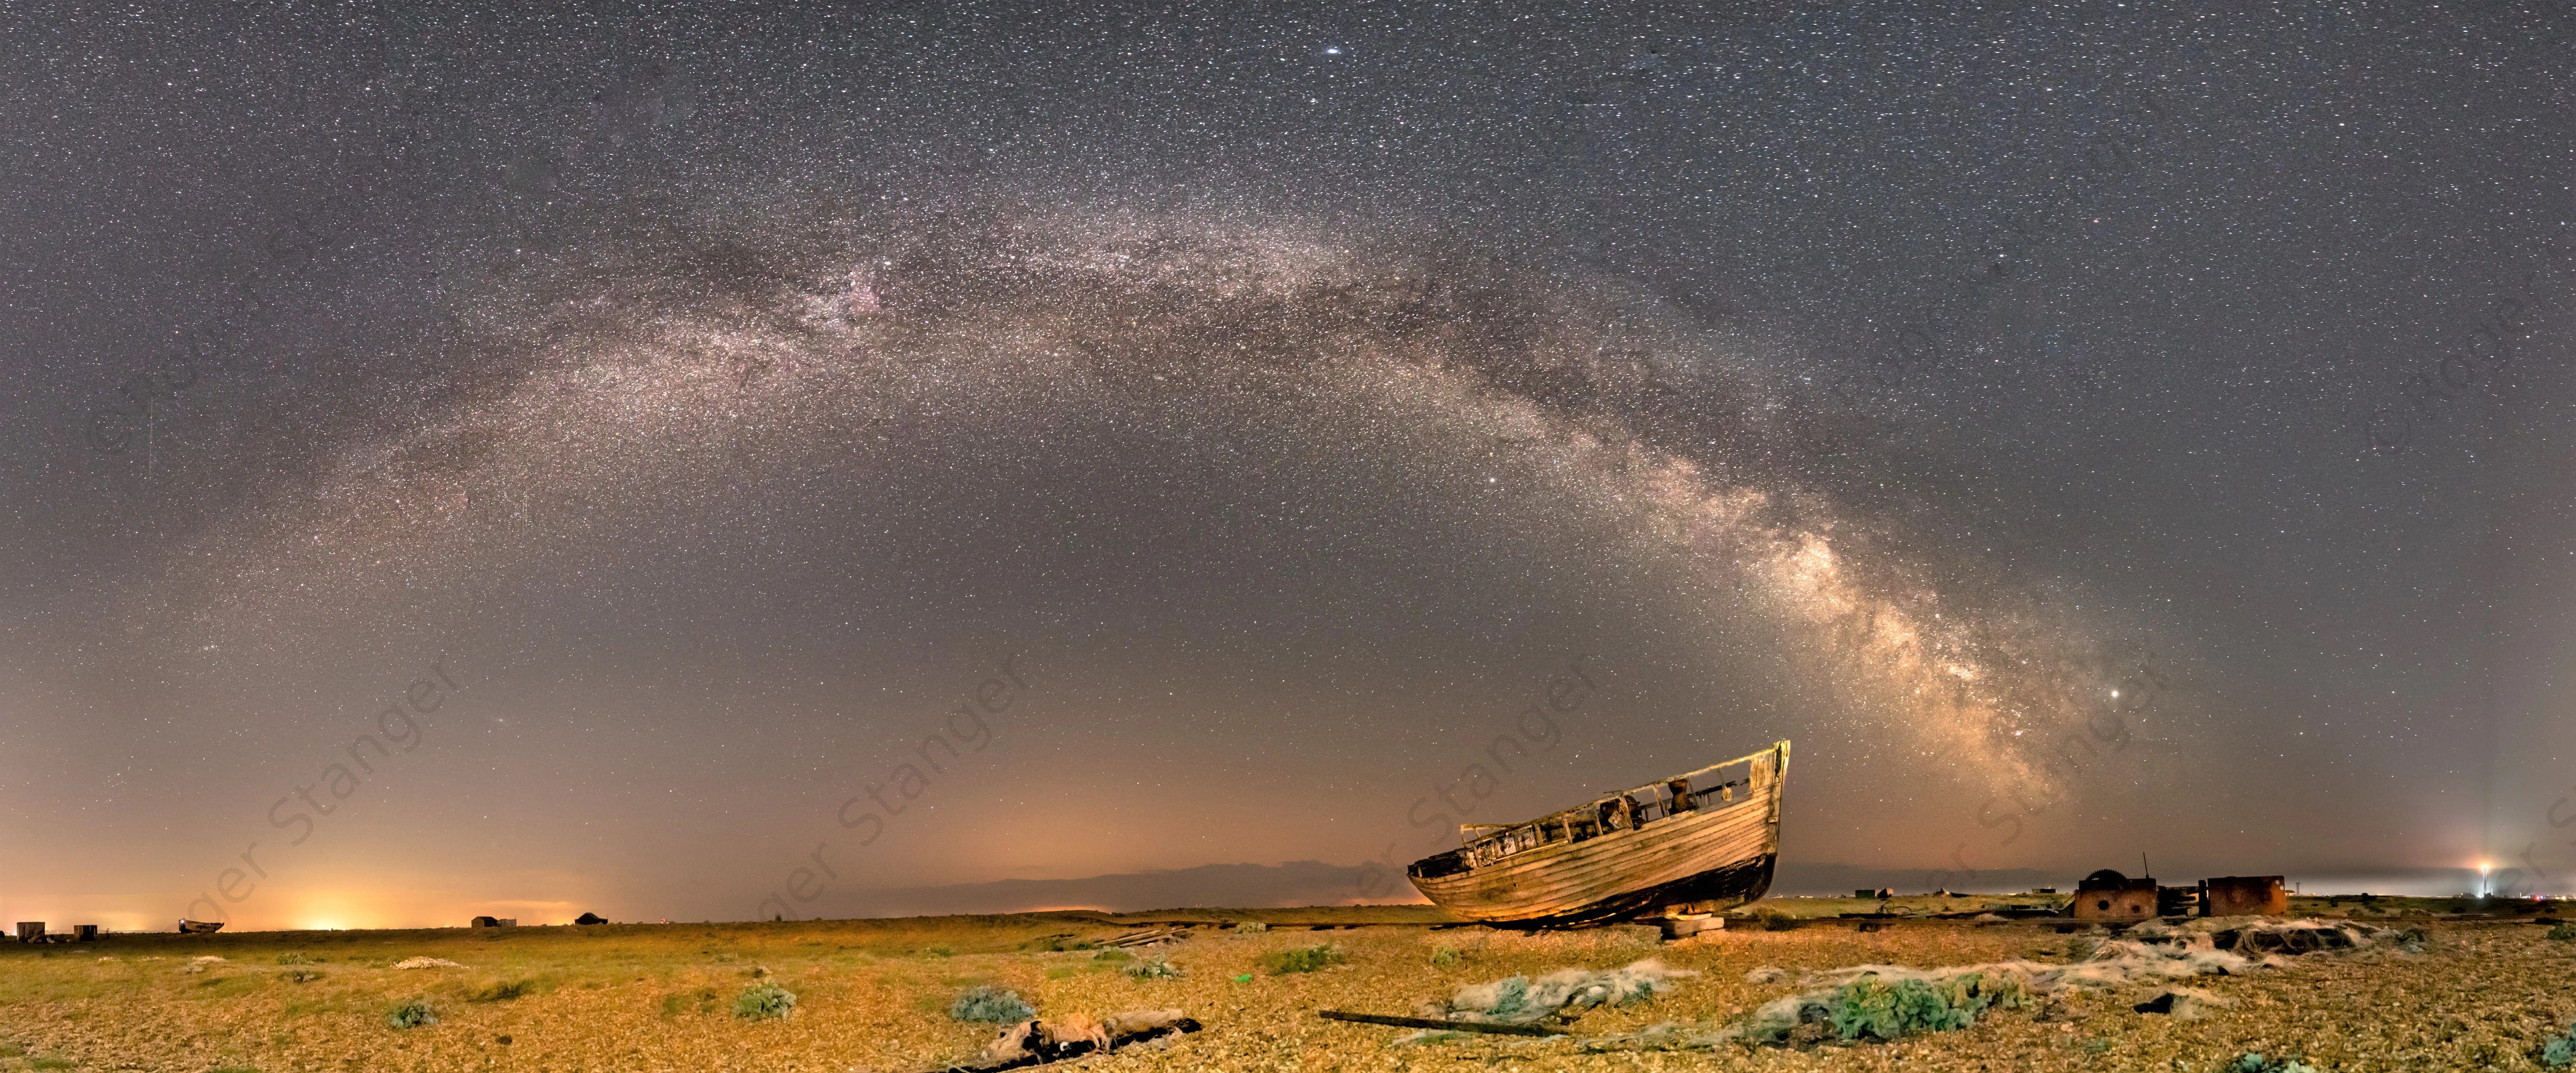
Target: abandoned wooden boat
{"x":1689,"y":845}
{"x":199,"y":927}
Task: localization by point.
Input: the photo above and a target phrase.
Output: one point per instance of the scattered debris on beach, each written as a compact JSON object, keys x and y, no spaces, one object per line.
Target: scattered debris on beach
{"x":1516,"y":1005}
{"x":1039,"y":1042}
{"x":1156,"y":967}
{"x":1887,"y":1002}
{"x":1521,"y":1000}
{"x":2252,"y":1062}
{"x":1148,"y":937}
{"x":2128,"y":995}
{"x":426,"y":963}
{"x":2183,"y":1003}
{"x":1435,"y":1028}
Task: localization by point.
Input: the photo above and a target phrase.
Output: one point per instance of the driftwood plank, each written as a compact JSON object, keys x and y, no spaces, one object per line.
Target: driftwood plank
{"x":1147,"y":937}
{"x":1429,"y":1022}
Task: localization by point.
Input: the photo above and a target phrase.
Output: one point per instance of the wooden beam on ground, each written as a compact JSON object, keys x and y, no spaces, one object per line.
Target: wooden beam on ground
{"x":1147,"y":937}
{"x":1486,"y":1027}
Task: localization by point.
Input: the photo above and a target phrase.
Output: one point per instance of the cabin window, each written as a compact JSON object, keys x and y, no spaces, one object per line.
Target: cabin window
{"x":1527,"y":837}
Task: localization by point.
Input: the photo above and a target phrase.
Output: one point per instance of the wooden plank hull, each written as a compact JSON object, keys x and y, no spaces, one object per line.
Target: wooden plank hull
{"x":1720,"y":853}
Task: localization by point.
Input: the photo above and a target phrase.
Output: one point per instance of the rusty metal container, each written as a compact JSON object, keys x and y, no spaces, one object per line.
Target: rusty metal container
{"x":2244,"y":896}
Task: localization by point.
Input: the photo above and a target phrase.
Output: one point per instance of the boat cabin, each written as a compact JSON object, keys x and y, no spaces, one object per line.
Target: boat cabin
{"x":1708,"y":788}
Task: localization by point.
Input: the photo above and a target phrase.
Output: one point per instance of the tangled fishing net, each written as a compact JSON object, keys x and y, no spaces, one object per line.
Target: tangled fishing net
{"x":1886,"y":1002}
{"x":1519,"y":1000}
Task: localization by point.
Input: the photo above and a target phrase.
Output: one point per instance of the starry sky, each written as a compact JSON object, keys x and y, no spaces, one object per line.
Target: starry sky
{"x":743,"y":460}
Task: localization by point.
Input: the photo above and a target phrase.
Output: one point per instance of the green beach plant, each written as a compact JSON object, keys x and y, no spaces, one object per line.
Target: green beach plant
{"x":764,"y":1001}
{"x":501,"y":992}
{"x":1302,"y":959}
{"x":990,"y":1004}
{"x":2559,"y":1051}
{"x":413,"y":1014}
{"x":1874,"y":1008}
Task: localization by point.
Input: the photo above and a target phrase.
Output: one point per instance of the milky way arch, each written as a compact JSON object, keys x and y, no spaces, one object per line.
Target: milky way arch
{"x":602,"y":367}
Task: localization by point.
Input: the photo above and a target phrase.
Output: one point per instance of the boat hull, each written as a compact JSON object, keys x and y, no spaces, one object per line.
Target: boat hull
{"x":1702,"y":860}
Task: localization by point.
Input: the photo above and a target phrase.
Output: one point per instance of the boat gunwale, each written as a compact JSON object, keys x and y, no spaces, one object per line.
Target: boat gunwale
{"x":1616,"y":795}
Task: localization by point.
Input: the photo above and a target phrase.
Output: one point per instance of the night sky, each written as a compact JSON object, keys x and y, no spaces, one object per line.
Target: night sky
{"x":747,"y":460}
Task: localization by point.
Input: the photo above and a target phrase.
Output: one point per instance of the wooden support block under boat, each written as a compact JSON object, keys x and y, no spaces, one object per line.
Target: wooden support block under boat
{"x":1685,"y":927}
